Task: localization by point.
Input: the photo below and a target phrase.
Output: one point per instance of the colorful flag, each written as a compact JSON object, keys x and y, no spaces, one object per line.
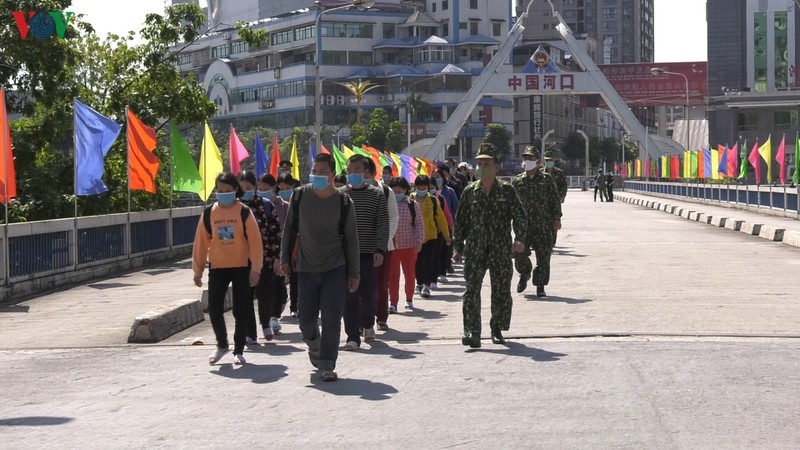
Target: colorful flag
{"x":295,"y":160}
{"x":261,"y":157}
{"x":707,"y":171}
{"x":8,"y":176}
{"x":236,"y":152}
{"x":275,"y":158}
{"x":94,"y":136}
{"x":722,"y":167}
{"x":796,"y":174}
{"x":185,"y":176}
{"x":324,"y":150}
{"x":397,"y":165}
{"x":743,"y":163}
{"x":733,"y":160}
{"x":210,"y":164}
{"x":409,"y":168}
{"x":341,"y":161}
{"x":347,"y":153}
{"x":693,"y":169}
{"x":714,"y":164}
{"x":766,"y":153}
{"x":780,"y":158}
{"x":312,"y":153}
{"x":142,"y":162}
{"x":755,"y":162}
{"x":675,"y":167}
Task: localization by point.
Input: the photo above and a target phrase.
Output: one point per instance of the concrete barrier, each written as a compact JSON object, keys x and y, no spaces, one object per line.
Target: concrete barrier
{"x":228,"y":305}
{"x":164,"y":321}
{"x":677,"y":211}
{"x":686,"y":213}
{"x":791,"y":237}
{"x":733,"y":224}
{"x":771,"y":233}
{"x":702,"y":217}
{"x":718,"y":221}
{"x":750,"y":228}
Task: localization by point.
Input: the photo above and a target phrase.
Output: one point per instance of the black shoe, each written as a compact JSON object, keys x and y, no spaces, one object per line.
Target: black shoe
{"x":497,"y":337}
{"x":473,"y":340}
{"x":540,"y":291}
{"x":523,"y":283}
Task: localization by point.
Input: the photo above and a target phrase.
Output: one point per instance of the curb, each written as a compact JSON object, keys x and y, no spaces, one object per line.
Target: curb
{"x":770,"y":233}
{"x":164,"y":321}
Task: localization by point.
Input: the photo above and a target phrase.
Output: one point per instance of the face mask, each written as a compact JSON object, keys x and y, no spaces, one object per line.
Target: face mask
{"x":248,"y":195}
{"x":319,"y":182}
{"x":386,"y":178}
{"x":226,"y":198}
{"x":266,"y":194}
{"x":549,"y":164}
{"x":286,"y":195}
{"x":355,"y":179}
{"x":422,"y":194}
{"x":399,"y":197}
{"x":484,"y":173}
{"x":439,"y":182}
{"x":528,"y":165}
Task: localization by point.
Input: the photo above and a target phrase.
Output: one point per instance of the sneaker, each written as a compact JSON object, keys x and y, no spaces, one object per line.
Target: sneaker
{"x":432,"y":286}
{"x":250,"y":341}
{"x":218,"y":354}
{"x":274,"y":324}
{"x":239,"y":360}
{"x":268,"y":333}
{"x":409,"y":306}
{"x":426,"y":292}
{"x":294,"y":314}
{"x":329,"y":375}
{"x":419,"y":288}
{"x":383,"y":326}
{"x":392,"y":309}
{"x":443,"y":279}
{"x":351,"y":345}
{"x":369,"y":334}
{"x":313,"y":357}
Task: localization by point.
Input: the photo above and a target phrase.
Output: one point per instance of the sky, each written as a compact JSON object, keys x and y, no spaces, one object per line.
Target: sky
{"x":680,"y":25}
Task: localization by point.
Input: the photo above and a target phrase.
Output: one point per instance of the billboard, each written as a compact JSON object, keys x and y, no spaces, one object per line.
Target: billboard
{"x":639,"y":87}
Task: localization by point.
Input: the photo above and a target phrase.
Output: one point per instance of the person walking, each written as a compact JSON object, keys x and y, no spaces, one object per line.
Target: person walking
{"x":407,"y":243}
{"x":372,"y":223}
{"x":610,"y":187}
{"x":327,"y":261}
{"x":382,"y":296}
{"x":434,"y":221}
{"x":600,"y":185}
{"x":445,"y":191}
{"x":483,"y":235}
{"x":540,"y":198}
{"x":561,"y":182}
{"x":229,"y":241}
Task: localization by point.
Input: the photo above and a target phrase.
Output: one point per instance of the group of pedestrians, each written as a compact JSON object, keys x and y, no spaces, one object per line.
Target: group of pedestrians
{"x":604,"y":184}
{"x":345,"y":241}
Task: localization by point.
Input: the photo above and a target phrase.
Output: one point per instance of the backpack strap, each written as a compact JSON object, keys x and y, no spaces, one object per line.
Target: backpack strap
{"x":296,"y":196}
{"x":245,"y":213}
{"x":343,"y":214}
{"x":207,"y":219}
{"x":412,"y":208}
{"x":435,"y":202}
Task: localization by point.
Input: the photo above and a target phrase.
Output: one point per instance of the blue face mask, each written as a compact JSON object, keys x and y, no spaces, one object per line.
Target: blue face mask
{"x":422,"y":194}
{"x":355,"y":179}
{"x":319,"y":182}
{"x":549,"y":164}
{"x":266,"y":194}
{"x":226,"y":198}
{"x":248,"y":195}
{"x":386,"y":177}
{"x":399,"y":197}
{"x":439,"y":181}
{"x":286,"y":195}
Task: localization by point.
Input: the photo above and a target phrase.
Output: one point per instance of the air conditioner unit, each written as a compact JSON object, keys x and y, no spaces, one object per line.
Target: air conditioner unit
{"x":321,"y":99}
{"x":226,"y":36}
{"x":276,"y":72}
{"x":267,"y":104}
{"x":340,"y":100}
{"x":381,"y":98}
{"x":330,"y":99}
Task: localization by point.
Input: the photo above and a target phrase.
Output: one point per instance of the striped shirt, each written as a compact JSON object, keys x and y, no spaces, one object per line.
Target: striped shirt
{"x":409,"y":236}
{"x":372,"y":218}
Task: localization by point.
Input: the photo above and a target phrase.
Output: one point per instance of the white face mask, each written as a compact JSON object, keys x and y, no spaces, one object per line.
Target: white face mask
{"x":528,"y":165}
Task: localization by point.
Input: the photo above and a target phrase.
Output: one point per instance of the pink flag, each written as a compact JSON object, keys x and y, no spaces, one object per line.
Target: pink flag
{"x":781,"y":159}
{"x":236,"y":152}
{"x":756,"y":162}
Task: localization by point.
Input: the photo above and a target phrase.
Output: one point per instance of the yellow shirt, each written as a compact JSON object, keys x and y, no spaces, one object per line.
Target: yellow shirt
{"x":432,"y":227}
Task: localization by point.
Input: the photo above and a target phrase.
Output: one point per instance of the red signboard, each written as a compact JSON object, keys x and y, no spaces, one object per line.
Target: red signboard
{"x":637,"y":85}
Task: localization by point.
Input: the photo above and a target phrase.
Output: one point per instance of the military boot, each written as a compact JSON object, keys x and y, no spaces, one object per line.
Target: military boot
{"x":473,"y":340}
{"x":523,"y":283}
{"x":497,"y":336}
{"x":540,"y":291}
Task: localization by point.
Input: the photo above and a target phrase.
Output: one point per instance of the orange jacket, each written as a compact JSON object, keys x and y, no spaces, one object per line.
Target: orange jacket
{"x":226,"y":247}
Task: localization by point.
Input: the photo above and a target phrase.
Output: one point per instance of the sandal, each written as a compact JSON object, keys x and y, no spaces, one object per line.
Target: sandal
{"x":329,"y":375}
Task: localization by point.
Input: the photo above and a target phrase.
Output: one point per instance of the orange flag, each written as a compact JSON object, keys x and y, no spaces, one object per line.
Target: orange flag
{"x":142,"y":162}
{"x":325,"y":150}
{"x":375,"y":156}
{"x":275,"y":158}
{"x":8,"y":178}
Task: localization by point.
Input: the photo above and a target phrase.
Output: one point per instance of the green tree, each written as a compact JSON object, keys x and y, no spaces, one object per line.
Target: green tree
{"x":396,"y":137}
{"x":500,"y":138}
{"x":377,"y":129}
{"x":358,"y":135}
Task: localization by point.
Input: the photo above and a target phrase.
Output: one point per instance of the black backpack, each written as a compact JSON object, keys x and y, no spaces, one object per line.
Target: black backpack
{"x":298,"y":194}
{"x":245,"y":211}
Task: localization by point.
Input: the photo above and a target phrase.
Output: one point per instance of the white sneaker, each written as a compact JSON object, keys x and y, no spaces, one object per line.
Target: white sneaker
{"x":351,"y":345}
{"x":239,"y":360}
{"x":250,"y":341}
{"x":419,"y":288}
{"x":433,"y":286}
{"x":274,"y":324}
{"x":426,"y":292}
{"x":268,"y":333}
{"x":217,"y":354}
{"x":443,"y":279}
{"x":409,"y":306}
{"x":369,"y":334}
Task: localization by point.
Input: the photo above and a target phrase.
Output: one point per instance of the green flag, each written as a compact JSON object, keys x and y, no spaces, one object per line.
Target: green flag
{"x":185,"y":176}
{"x":796,"y":175}
{"x":743,"y":165}
{"x":341,"y":161}
{"x":693,"y":164}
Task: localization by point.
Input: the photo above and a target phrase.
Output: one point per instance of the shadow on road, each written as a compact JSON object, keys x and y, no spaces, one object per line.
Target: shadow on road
{"x":555,"y":298}
{"x":365,"y":389}
{"x":401,"y":336}
{"x":34,"y":421}
{"x":382,"y":348}
{"x":516,"y":349}
{"x":102,"y":286}
{"x":427,"y":314}
{"x":257,"y":373}
{"x":15,"y":309}
{"x":563,"y":252}
{"x":274,"y":348}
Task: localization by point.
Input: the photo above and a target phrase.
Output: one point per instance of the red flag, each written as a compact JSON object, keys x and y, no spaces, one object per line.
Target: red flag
{"x":674,"y":167}
{"x":780,"y":157}
{"x":375,"y":156}
{"x":275,"y":158}
{"x":142,"y":162}
{"x":325,"y":150}
{"x":755,"y":161}
{"x":8,"y":178}
{"x":733,"y":160}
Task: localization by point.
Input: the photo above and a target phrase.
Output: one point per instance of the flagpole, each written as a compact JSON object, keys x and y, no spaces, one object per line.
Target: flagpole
{"x":171,"y":163}
{"x":128,"y":246}
{"x":6,"y":148}
{"x":75,"y":190}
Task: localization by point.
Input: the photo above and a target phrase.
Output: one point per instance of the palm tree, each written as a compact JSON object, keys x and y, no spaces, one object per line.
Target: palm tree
{"x":359,"y":89}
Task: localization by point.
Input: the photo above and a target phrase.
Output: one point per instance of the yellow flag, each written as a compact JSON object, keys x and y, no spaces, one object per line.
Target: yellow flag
{"x":295,"y":161}
{"x":715,"y":164}
{"x":766,"y":153}
{"x":210,"y":164}
{"x":347,"y":151}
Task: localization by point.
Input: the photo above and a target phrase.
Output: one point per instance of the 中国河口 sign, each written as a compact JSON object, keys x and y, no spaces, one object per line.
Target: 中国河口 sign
{"x":42,"y":25}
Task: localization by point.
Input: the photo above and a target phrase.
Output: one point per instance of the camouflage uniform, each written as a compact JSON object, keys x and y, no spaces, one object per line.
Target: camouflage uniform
{"x":483,"y":236}
{"x":542,"y":204}
{"x":561,"y":184}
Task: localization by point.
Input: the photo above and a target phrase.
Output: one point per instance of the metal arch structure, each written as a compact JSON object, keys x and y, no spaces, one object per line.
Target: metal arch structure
{"x":590,"y":81}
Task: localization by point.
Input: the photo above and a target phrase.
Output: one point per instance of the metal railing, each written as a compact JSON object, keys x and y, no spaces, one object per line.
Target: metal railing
{"x":49,"y":247}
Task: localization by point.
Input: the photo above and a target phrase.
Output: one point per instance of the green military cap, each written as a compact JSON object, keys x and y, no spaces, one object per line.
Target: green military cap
{"x":486,"y":152}
{"x":548,"y":155}
{"x":530,"y":151}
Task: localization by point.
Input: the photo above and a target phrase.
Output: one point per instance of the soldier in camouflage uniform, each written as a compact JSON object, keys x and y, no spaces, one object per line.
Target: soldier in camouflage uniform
{"x":483,"y":236}
{"x":542,"y":204}
{"x":561,"y":182}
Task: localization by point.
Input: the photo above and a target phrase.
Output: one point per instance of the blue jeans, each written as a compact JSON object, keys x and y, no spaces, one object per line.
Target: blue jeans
{"x":322,"y":292}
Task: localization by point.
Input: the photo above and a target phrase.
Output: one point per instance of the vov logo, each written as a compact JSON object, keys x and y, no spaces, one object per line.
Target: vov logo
{"x":42,"y":25}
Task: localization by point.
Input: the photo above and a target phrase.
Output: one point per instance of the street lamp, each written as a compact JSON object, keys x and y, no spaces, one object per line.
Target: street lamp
{"x":660,"y":71}
{"x":544,"y":141}
{"x":409,"y":105}
{"x":586,"y":172}
{"x":360,"y":4}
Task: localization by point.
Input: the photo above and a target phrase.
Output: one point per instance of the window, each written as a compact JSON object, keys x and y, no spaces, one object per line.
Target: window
{"x":334,"y":57}
{"x":445,"y":5}
{"x":304,"y":33}
{"x":434,"y":53}
{"x":785,"y":120}
{"x":281,"y":37}
{"x":462,"y":25}
{"x":760,"y":46}
{"x":347,"y":30}
{"x":388,"y":31}
{"x":473,"y":28}
{"x":359,"y":58}
{"x":184,"y":58}
{"x":445,"y":29}
{"x":239,"y":47}
{"x":473,"y":4}
{"x":433,"y":7}
{"x":220,"y":51}
{"x":359,"y":31}
{"x":497,"y":29}
{"x":476,"y":54}
{"x":609,"y":13}
{"x":748,"y":121}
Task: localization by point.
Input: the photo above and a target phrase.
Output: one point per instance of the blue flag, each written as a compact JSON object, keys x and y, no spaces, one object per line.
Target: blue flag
{"x":312,"y":153}
{"x":261,"y":157}
{"x":723,"y":162}
{"x":94,"y":135}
